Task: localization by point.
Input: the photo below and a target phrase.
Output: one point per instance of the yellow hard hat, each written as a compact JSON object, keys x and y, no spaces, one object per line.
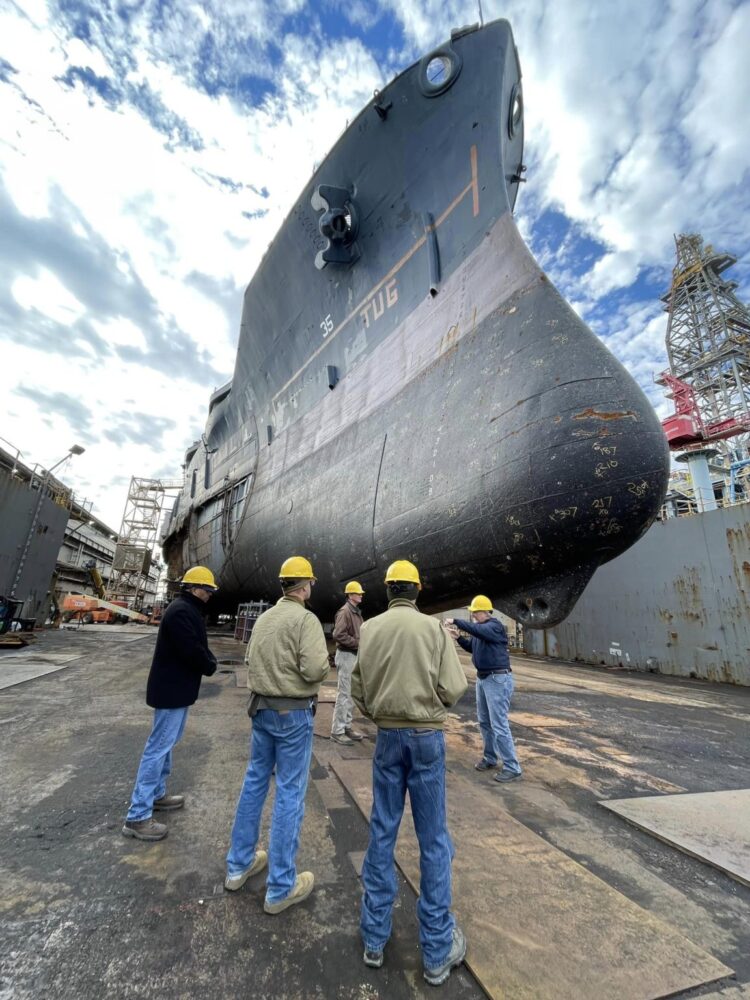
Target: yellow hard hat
{"x":200,"y":576}
{"x":402,"y":571}
{"x":353,"y":588}
{"x":481,"y":603}
{"x":296,"y":568}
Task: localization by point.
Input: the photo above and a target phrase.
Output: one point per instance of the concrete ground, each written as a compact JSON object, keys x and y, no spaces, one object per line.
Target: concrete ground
{"x":87,"y":913}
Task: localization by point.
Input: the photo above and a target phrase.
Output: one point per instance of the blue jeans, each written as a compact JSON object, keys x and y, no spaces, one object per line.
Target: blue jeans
{"x":493,"y":703}
{"x":412,"y":759}
{"x":156,"y":762}
{"x":283,"y":740}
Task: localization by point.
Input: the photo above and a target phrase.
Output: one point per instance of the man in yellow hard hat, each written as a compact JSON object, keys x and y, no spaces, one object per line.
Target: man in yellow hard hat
{"x":181,"y":659}
{"x":488,"y":645}
{"x":287,"y":659}
{"x":346,"y":627}
{"x":407,"y":674}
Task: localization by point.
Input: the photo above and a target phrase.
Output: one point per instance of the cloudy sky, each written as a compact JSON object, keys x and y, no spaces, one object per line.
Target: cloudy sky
{"x":149,"y":150}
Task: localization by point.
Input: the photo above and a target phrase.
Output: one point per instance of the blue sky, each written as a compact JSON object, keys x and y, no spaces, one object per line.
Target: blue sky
{"x":149,"y":150}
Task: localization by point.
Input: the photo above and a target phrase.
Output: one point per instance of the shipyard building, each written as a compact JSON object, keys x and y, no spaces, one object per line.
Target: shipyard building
{"x":51,"y":543}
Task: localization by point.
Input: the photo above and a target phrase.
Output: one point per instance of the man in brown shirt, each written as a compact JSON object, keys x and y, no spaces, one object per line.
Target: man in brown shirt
{"x":346,"y":636}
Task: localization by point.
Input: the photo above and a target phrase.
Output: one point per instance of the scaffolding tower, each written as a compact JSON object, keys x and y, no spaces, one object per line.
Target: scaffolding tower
{"x":137,"y":539}
{"x":708,"y":346}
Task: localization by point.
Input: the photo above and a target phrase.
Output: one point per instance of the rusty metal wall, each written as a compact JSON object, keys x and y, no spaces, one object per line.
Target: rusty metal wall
{"x":17,"y":505}
{"x":677,"y":602}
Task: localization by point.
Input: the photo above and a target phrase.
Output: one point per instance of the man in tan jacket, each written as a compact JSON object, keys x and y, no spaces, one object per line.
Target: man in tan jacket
{"x":287,"y":659}
{"x":407,"y":674}
{"x":346,"y":628}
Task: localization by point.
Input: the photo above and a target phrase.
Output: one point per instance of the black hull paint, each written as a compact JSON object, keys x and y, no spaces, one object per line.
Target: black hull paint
{"x":475,"y":426}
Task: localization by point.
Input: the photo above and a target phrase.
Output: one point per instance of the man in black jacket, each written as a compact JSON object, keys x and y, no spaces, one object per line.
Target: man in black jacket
{"x":181,"y":659}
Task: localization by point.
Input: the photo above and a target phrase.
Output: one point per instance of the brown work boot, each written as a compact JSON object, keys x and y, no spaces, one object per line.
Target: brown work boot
{"x":144,"y":829}
{"x":302,"y":889}
{"x":353,"y":734}
{"x":169,"y":802}
{"x":343,"y":739}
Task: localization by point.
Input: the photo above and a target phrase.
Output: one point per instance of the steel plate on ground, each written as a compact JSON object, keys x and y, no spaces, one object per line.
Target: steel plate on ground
{"x":539,"y":926}
{"x":711,"y":826}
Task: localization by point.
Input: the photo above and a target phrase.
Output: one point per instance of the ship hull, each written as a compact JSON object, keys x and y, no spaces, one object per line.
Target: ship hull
{"x":455,"y":411}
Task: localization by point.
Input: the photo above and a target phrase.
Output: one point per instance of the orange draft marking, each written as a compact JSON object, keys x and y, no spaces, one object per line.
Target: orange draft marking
{"x":362,"y":308}
{"x":474,"y":181}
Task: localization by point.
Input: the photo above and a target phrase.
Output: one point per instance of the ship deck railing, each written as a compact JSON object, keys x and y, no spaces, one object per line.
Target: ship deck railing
{"x":687,"y":505}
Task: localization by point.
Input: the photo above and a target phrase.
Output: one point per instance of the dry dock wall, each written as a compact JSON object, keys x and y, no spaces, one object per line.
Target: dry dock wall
{"x":677,"y":602}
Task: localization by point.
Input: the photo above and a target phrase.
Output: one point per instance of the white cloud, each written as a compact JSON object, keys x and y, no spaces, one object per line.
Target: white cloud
{"x":635,"y":130}
{"x":719,"y":105}
{"x":120,"y":332}
{"x":429,"y":22}
{"x":48,"y":294}
{"x":633,"y":116}
{"x":79,"y":54}
{"x":614,"y":270}
{"x":164,"y":211}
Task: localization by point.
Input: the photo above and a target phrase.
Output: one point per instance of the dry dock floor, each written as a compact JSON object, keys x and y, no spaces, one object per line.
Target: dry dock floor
{"x":559,"y":895}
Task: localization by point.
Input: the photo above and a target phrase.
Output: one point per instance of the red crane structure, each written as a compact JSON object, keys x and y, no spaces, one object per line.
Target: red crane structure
{"x":708,"y":347}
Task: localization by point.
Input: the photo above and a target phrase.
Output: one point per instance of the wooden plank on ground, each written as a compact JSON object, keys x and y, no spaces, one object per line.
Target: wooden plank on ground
{"x":539,"y":925}
{"x":322,"y":728}
{"x":323,"y":720}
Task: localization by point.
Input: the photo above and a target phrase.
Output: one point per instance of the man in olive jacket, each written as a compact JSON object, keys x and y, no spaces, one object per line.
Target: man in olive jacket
{"x":287,"y":659}
{"x":181,"y":659}
{"x":407,"y":674}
